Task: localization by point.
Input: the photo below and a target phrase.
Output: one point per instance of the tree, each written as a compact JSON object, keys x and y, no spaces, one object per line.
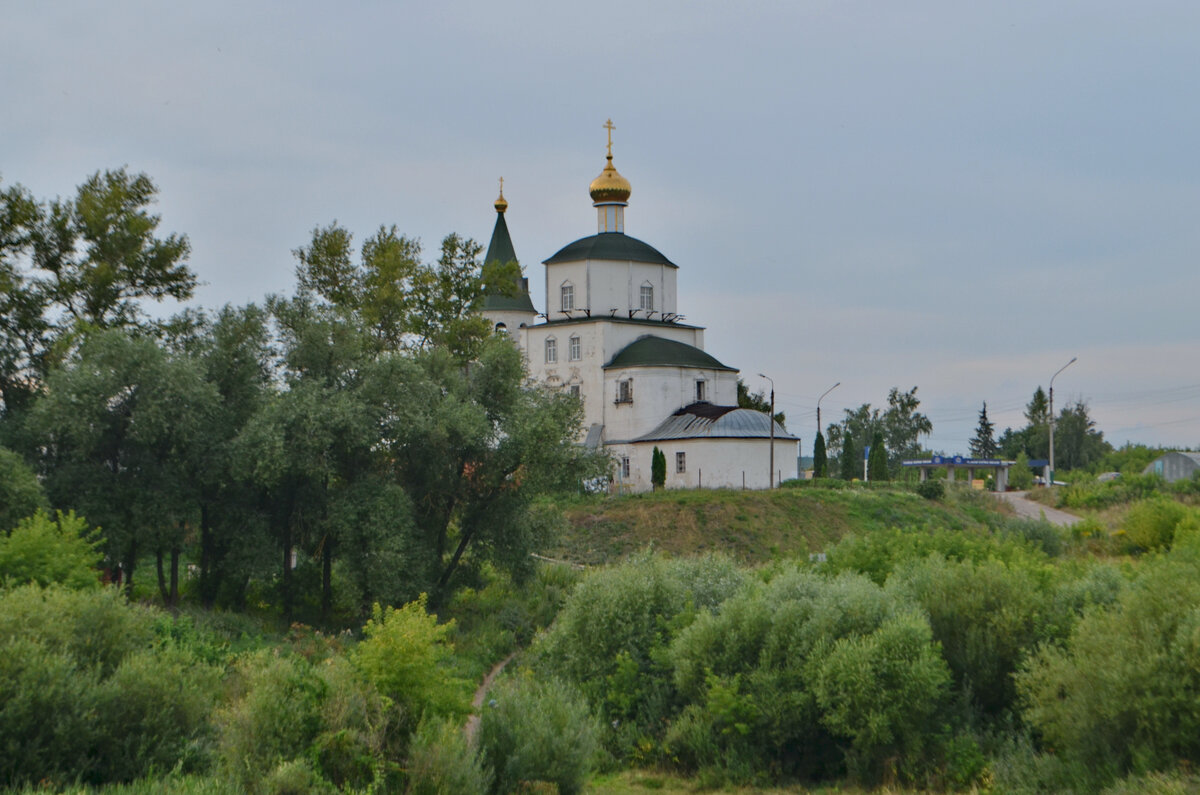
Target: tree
{"x":1077,"y":443}
{"x":21,"y":494}
{"x":658,"y":468}
{"x":86,"y":262}
{"x":903,"y":427}
{"x":850,"y":459}
{"x":758,"y":401}
{"x":1020,"y":476}
{"x":820,"y":460}
{"x":120,"y":425}
{"x":983,"y":445}
{"x":877,"y":468}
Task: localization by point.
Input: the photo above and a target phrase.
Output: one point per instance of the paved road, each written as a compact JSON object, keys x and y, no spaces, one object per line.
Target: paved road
{"x":1028,"y":509}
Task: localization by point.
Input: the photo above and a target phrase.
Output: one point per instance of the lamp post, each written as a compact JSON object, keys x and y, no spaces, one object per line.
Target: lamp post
{"x":823,"y":394}
{"x":1064,"y":367}
{"x":771,"y":473}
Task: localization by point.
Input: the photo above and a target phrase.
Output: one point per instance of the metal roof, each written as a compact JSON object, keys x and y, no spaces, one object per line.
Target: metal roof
{"x":706,"y":421}
{"x":649,"y":350}
{"x":612,"y":246}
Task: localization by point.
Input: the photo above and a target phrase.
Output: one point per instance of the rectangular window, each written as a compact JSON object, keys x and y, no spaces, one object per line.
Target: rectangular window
{"x":568,"y":297}
{"x":700,"y":391}
{"x":575,"y":390}
{"x":625,"y":391}
{"x":551,"y":351}
{"x":680,"y":463}
{"x":625,"y":467}
{"x":574,"y":349}
{"x":647,"y":297}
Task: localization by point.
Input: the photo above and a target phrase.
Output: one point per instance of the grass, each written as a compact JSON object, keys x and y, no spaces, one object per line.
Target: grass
{"x":753,"y":526}
{"x":650,"y":782}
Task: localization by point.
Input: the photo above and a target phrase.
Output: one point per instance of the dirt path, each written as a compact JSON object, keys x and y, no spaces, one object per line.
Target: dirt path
{"x":1028,"y":509}
{"x":481,"y":693}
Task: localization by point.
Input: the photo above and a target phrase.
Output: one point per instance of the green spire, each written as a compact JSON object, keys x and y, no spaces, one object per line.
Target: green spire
{"x":501,"y":251}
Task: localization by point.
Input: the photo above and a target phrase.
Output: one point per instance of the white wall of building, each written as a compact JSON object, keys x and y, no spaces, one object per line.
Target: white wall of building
{"x":657,"y":393}
{"x":708,"y":463}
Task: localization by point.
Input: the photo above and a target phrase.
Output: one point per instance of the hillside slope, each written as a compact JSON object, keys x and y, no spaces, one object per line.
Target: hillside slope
{"x":755,"y":526}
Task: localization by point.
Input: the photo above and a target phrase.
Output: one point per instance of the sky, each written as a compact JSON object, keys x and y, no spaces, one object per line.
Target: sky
{"x":960,"y":197}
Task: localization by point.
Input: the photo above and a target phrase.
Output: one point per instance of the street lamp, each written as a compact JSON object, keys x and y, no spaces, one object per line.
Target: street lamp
{"x":771,"y":474}
{"x":823,"y":394}
{"x":1064,"y":367}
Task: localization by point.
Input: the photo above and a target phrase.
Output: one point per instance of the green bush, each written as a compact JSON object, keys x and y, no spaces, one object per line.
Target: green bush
{"x":275,"y":717}
{"x":1120,"y":695}
{"x":84,"y":696}
{"x":1020,"y":476}
{"x":442,"y":762}
{"x":1151,"y":523}
{"x":883,"y":691}
{"x":611,"y":637}
{"x":42,"y":550}
{"x":406,"y":654}
{"x":932,"y":489}
{"x":538,"y":731}
{"x":987,"y":617}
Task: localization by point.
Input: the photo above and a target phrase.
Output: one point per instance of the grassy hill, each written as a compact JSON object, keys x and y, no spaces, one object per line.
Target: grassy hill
{"x":755,"y":526}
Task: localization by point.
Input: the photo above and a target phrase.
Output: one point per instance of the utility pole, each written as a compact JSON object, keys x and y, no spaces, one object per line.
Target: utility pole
{"x":771,"y":473}
{"x":1050,"y":480}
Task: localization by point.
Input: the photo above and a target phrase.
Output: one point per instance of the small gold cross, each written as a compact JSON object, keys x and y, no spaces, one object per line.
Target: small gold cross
{"x":608,"y":125}
{"x":502,"y":187}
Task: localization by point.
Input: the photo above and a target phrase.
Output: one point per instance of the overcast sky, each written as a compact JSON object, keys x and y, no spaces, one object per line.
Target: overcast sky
{"x":949,"y":195}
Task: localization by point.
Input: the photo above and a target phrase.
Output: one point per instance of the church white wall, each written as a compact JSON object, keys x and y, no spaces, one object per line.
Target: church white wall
{"x":657,"y":393}
{"x":605,"y":285}
{"x":574,"y":273}
{"x":512,"y":321}
{"x":709,"y":463}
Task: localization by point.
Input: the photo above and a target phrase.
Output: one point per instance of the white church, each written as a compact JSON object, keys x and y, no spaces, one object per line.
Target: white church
{"x":612,"y":334}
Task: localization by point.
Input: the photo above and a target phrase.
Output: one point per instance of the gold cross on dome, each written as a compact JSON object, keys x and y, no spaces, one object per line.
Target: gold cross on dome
{"x":502,"y":187}
{"x":608,"y":125}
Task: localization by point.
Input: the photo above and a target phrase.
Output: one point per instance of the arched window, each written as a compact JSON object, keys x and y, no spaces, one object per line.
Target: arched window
{"x":551,"y":350}
{"x":568,"y":296}
{"x":574,"y":349}
{"x":647,"y":297}
{"x":501,"y":328}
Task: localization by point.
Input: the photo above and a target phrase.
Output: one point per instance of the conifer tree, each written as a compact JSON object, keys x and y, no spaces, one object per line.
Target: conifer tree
{"x":820,"y":458}
{"x":850,"y":463}
{"x":877,"y":468}
{"x":983,"y":445}
{"x":658,"y":468}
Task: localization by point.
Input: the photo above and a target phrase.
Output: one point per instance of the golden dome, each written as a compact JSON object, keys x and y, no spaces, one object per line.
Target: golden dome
{"x":610,"y":186}
{"x":501,"y":205}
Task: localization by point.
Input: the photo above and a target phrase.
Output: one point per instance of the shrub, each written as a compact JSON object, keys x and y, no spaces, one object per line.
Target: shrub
{"x":882,"y":691}
{"x":987,"y":616}
{"x":538,"y":731}
{"x":611,"y":636}
{"x":42,"y":550}
{"x":1151,"y":523}
{"x":84,"y":697}
{"x":442,"y":762}
{"x":934,"y":489}
{"x":405,"y":653}
{"x":1120,"y":695}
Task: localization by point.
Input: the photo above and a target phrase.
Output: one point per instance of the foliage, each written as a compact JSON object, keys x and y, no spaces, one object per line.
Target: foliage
{"x":901,"y":424}
{"x":611,"y":637}
{"x":1020,"y":476}
{"x":533,"y":731}
{"x":1077,"y":443}
{"x":43,"y":551}
{"x":820,"y":459}
{"x":758,"y":401}
{"x":404,"y":653}
{"x":983,"y":444}
{"x":1119,"y":695}
{"x":933,"y":489}
{"x":442,"y":762}
{"x":84,"y":697}
{"x":658,"y":468}
{"x":877,"y":468}
{"x":21,"y":494}
{"x":1153,"y":523}
{"x":849,"y":459}
{"x":787,"y":669}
